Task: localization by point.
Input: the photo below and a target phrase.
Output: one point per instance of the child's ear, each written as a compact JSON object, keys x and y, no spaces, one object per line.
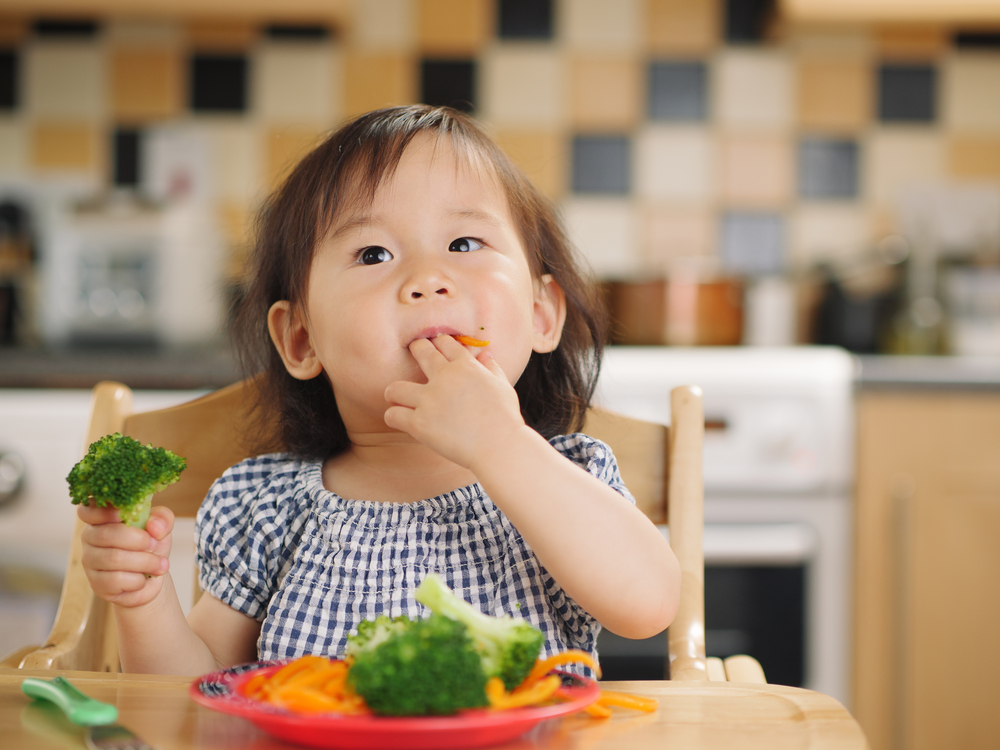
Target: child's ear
{"x":291,"y":339}
{"x":549,"y":314}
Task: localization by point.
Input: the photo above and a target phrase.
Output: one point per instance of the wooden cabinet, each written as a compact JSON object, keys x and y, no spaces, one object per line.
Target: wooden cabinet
{"x":927,"y":576}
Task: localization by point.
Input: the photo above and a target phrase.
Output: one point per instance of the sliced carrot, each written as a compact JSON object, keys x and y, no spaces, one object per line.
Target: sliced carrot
{"x":598,"y":711}
{"x":541,"y":691}
{"x":470,"y":341}
{"x":544,"y":666}
{"x":627,"y":700}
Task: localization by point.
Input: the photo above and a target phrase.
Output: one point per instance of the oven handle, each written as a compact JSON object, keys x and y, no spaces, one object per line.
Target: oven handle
{"x":757,"y":543}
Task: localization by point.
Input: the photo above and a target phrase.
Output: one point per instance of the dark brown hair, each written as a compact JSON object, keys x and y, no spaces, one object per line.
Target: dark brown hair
{"x":347,"y":169}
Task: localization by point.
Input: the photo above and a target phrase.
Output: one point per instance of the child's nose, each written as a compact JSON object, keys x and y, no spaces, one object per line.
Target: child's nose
{"x":428,"y":283}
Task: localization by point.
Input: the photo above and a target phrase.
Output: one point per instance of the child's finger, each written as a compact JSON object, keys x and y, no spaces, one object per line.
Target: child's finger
{"x":160,"y":523}
{"x":486,"y":359}
{"x":403,"y":393}
{"x":117,"y":536}
{"x":112,"y":559}
{"x":93,"y":515}
{"x":450,"y":348}
{"x":428,"y":357}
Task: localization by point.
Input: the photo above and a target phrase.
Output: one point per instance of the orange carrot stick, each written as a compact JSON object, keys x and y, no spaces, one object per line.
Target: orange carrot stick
{"x":627,"y":700}
{"x":470,"y":341}
{"x":598,"y":711}
{"x":500,"y":699}
{"x":544,"y":666}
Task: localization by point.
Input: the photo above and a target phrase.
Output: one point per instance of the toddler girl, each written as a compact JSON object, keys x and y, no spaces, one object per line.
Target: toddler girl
{"x":389,"y":256}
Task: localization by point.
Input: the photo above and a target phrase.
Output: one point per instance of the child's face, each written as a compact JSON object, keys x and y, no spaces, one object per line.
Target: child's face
{"x":436,"y":252}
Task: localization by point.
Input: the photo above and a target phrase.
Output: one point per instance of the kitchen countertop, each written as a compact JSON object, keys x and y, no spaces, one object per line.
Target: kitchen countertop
{"x":215,"y":367}
{"x":943,"y":373}
{"x":152,"y":369}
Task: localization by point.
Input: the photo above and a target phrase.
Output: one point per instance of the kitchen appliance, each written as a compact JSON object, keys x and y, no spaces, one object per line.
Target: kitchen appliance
{"x":778,"y":475}
{"x":42,"y":435}
{"x":125,"y":272}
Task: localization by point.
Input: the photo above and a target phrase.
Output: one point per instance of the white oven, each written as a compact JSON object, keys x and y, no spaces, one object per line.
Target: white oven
{"x":778,"y":470}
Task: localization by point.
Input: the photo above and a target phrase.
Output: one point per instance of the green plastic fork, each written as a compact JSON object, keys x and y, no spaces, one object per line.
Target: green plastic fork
{"x":79,"y":708}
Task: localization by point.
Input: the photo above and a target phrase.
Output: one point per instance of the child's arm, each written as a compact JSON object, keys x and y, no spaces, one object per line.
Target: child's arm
{"x":153,"y":635}
{"x":600,"y":548}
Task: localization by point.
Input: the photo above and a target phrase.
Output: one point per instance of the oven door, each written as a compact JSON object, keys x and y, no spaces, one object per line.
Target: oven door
{"x":756,"y":602}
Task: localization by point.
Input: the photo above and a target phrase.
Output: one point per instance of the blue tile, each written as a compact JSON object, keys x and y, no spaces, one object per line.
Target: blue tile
{"x":907,"y":93}
{"x":753,"y":243}
{"x":449,"y":83}
{"x":525,"y":19}
{"x":678,"y":90}
{"x":828,"y":168}
{"x":601,"y":164}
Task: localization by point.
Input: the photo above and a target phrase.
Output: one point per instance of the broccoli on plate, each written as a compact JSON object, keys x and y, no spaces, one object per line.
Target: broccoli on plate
{"x":508,"y":646}
{"x":123,"y":473}
{"x":440,"y":664}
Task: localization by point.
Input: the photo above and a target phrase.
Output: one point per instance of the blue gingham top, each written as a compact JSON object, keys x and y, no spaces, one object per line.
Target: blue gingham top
{"x":274,"y":544}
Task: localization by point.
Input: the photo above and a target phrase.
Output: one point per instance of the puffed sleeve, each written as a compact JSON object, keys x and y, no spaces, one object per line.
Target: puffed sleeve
{"x":246,"y":532}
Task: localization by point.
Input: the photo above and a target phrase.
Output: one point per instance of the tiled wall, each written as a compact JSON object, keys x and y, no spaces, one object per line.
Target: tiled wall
{"x":664,"y":128}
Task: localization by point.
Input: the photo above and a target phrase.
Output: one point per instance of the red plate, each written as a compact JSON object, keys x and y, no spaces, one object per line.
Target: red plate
{"x":474,"y":728}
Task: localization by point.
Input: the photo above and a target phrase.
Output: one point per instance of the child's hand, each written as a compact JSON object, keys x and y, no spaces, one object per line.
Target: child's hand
{"x":125,"y":565}
{"x":466,"y":405}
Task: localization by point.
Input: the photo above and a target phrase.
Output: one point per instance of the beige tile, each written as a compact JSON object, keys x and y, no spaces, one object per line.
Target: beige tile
{"x":523,"y":85}
{"x":293,"y":83}
{"x":541,"y":155}
{"x":285,"y":148}
{"x":974,"y":157}
{"x":674,"y":163}
{"x":13,"y":143}
{"x":898,"y":158}
{"x":829,"y":233}
{"x":221,"y":36}
{"x":65,"y":81}
{"x":454,"y":27}
{"x":139,"y":33}
{"x":373,"y":80}
{"x":384,"y":25}
{"x":834,"y":93}
{"x":237,"y":173}
{"x":971,"y":93}
{"x":602,"y":26}
{"x":605,"y":92}
{"x":755,"y":171}
{"x":683,"y":26}
{"x":146,"y":84}
{"x":754,"y":89}
{"x":837,"y":41}
{"x":911,"y":42}
{"x":236,"y":221}
{"x":606,"y":231}
{"x":670,"y":233}
{"x":64,"y":147}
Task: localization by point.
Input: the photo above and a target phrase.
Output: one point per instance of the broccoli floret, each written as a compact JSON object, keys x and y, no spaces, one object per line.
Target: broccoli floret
{"x":422,"y":667}
{"x":123,"y":473}
{"x":508,"y":646}
{"x":372,"y":633}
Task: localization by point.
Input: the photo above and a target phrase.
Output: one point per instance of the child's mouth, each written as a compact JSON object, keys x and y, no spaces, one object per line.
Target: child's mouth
{"x":433,"y":331}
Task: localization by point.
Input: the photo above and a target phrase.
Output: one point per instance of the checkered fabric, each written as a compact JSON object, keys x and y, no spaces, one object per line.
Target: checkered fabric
{"x":273,"y":543}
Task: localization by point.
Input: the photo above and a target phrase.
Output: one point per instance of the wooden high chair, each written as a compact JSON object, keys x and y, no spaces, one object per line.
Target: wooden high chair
{"x":661,"y":467}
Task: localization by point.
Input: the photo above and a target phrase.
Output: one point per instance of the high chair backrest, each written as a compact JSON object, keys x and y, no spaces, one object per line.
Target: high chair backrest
{"x":661,"y":467}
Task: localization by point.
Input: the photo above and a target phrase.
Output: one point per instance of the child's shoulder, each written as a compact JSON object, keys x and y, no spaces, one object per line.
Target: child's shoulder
{"x":269,"y":473}
{"x":582,"y":449}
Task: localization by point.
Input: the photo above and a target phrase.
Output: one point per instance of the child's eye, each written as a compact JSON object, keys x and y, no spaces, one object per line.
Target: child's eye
{"x":465,"y":245}
{"x":373,"y":255}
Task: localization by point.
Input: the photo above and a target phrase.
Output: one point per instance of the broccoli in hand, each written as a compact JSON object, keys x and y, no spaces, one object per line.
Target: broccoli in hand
{"x":508,"y":646}
{"x":416,"y":668}
{"x":123,"y":473}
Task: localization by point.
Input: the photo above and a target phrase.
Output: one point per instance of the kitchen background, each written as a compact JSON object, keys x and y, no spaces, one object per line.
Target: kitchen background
{"x":847,"y":176}
{"x":735,"y":171}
